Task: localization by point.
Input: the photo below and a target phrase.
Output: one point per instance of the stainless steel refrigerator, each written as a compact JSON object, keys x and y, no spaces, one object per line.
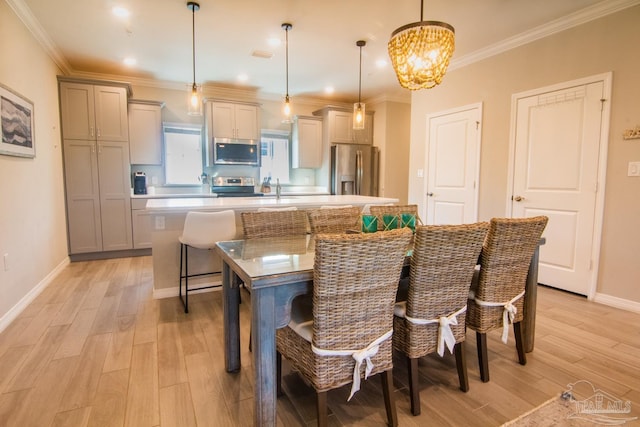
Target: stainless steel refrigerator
{"x":354,"y":169}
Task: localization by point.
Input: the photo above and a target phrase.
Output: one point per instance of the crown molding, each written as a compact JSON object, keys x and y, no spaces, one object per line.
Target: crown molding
{"x":33,"y":25}
{"x":583,"y":16}
{"x":566,"y":22}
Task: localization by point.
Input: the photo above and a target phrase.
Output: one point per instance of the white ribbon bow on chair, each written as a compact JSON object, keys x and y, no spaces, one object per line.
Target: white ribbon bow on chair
{"x":445,"y":334}
{"x":362,"y":355}
{"x":508,"y":313}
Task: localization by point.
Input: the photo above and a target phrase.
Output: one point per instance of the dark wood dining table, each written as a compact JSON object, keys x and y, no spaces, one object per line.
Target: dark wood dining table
{"x":276,"y":270}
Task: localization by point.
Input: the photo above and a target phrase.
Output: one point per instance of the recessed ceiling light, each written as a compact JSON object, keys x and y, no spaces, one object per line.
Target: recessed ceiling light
{"x":329,"y":90}
{"x":381,"y":63}
{"x":243,"y":77}
{"x":274,"y":42}
{"x":120,"y":12}
{"x":129,"y":61}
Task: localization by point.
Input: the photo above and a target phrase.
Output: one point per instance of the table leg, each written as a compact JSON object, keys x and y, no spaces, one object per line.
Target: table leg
{"x":263,"y":342}
{"x":530,"y":302}
{"x":231,"y":318}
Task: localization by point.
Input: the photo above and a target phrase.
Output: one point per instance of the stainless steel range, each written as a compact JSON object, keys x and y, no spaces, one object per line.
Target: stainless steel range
{"x":234,"y":186}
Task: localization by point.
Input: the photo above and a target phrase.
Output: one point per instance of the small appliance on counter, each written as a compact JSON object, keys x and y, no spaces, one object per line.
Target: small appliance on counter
{"x":139,"y":183}
{"x":233,"y":186}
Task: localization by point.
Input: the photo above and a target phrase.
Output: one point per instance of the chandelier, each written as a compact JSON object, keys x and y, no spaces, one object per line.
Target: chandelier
{"x":420,"y":52}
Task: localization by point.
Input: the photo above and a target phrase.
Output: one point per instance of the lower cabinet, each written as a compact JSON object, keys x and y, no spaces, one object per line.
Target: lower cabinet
{"x":98,"y":195}
{"x":142,"y":224}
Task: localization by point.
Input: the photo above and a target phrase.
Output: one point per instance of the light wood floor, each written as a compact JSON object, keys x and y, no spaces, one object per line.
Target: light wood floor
{"x":94,"y":349}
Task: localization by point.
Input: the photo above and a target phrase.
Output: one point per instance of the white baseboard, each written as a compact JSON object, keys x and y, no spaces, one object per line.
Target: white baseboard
{"x":616,"y":302}
{"x":173,"y":292}
{"x":31,"y":295}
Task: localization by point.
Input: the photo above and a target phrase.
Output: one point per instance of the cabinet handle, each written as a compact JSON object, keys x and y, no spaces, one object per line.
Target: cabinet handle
{"x":98,"y":132}
{"x":93,"y":148}
{"x":91,"y":131}
{"x":99,"y":148}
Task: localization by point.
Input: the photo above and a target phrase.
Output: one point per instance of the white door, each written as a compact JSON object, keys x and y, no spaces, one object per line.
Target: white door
{"x":453,"y":156}
{"x":558,"y":137}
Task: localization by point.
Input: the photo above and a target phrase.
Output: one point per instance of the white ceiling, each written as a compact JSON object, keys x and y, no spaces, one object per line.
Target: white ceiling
{"x":85,"y":37}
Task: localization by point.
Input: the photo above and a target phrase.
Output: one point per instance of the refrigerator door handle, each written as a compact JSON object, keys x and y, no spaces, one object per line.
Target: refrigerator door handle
{"x":359,"y":172}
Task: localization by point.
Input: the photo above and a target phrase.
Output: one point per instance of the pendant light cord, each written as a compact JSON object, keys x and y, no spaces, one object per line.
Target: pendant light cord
{"x":193,"y":41}
{"x":421,"y":10}
{"x":286,"y":46}
{"x":360,"y":78}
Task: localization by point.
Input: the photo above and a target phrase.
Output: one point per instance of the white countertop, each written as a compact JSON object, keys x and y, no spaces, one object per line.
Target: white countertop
{"x":181,"y":204}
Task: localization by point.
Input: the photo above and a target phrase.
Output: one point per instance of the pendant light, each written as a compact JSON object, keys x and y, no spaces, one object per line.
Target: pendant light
{"x":287,"y":104}
{"x":195,"y":92}
{"x":420,"y":52}
{"x":358,"y":107}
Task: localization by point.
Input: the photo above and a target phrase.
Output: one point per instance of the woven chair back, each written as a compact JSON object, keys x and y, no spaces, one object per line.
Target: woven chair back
{"x":442,"y":266}
{"x":274,"y":224}
{"x":354,"y":286}
{"x":504,"y":264}
{"x":337,"y":220}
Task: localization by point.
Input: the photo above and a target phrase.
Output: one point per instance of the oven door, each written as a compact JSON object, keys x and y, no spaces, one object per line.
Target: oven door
{"x":236,"y":152}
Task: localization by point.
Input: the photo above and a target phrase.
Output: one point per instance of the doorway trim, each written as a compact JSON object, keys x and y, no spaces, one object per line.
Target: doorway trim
{"x":606,"y":79}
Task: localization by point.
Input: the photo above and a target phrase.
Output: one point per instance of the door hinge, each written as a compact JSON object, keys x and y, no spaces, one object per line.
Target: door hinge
{"x":477,"y":125}
{"x":602,"y":101}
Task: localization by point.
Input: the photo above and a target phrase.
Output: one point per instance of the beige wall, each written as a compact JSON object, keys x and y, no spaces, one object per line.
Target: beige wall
{"x":391,"y":135}
{"x":32,"y":214}
{"x":607,"y":44}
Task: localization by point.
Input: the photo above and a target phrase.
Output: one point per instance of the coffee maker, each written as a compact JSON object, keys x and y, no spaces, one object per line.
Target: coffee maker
{"x":139,"y":183}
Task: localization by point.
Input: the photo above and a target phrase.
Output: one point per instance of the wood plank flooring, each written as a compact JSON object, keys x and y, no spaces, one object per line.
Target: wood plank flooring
{"x":94,"y":349}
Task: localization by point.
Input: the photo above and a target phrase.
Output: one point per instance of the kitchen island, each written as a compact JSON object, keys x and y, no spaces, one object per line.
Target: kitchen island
{"x":167,"y":219}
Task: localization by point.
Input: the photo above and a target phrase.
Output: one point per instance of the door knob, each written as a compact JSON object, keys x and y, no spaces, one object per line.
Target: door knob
{"x":518,"y":198}
{"x":430,"y":194}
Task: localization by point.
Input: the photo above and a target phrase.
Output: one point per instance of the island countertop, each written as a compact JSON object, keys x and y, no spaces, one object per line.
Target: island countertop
{"x":168,"y":205}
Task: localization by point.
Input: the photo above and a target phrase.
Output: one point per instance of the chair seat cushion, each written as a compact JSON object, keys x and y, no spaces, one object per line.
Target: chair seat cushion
{"x":400,"y":309}
{"x":302,"y":317}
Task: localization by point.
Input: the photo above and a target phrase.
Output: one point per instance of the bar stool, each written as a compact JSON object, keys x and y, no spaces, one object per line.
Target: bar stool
{"x":201,"y":231}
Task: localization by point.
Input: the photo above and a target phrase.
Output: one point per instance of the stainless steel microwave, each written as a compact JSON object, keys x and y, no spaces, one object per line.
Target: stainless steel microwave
{"x":236,"y":152}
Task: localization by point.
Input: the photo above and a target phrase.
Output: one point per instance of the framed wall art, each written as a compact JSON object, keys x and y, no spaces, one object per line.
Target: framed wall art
{"x":17,"y":126}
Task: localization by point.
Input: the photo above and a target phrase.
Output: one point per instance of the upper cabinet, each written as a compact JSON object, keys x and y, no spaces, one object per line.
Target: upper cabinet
{"x":338,"y":126}
{"x":306,"y":148}
{"x":94,"y":112}
{"x":145,"y":132}
{"x":233,"y":120}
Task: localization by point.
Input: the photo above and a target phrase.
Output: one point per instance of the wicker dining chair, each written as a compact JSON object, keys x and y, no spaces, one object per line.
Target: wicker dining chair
{"x":496,"y":298}
{"x":274,"y":223}
{"x":380,"y":210}
{"x":337,"y":220}
{"x":442,"y":265}
{"x":354,"y":284}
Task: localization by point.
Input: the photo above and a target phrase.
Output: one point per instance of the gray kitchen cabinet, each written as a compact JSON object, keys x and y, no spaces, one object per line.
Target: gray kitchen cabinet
{"x":145,"y":132}
{"x":92,"y":112}
{"x":142,"y":225}
{"x":97,"y":170}
{"x":233,"y":120}
{"x":338,"y":126}
{"x":306,"y":147}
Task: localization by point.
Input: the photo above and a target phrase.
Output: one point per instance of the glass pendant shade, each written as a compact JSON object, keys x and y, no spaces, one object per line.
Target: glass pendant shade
{"x":358,"y":115}
{"x":420,"y":53}
{"x":194,"y":103}
{"x":286,"y":110}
